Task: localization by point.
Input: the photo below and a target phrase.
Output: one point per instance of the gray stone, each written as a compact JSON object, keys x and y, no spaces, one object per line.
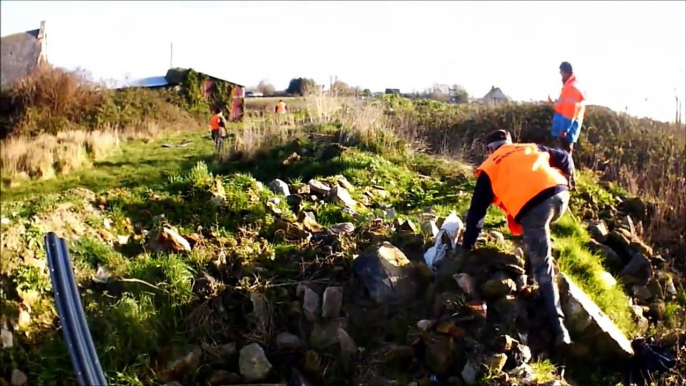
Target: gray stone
{"x":642,"y":293}
{"x":495,"y":363}
{"x":499,"y":237}
{"x":386,"y":273}
{"x":324,"y":336}
{"x":333,"y":300}
{"x":348,"y":346}
{"x":279,"y":187}
{"x":429,"y":228}
{"x":628,"y":224}
{"x":319,"y":187}
{"x":253,"y":363}
{"x":598,"y":231}
{"x":341,"y":228}
{"x":6,"y":335}
{"x":167,"y":240}
{"x":340,"y":195}
{"x":343,"y":182}
{"x":639,"y":271}
{"x":288,"y":341}
{"x":469,"y":372}
{"x":611,"y":257}
{"x":310,"y":304}
{"x":467,"y":284}
{"x":584,"y":318}
{"x":498,"y":287}
{"x":19,"y":378}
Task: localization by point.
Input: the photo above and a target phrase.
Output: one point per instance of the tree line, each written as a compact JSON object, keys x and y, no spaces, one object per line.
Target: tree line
{"x":306,"y":86}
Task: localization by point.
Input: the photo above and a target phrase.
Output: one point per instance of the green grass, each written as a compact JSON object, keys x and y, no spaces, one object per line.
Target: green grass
{"x":584,"y":268}
{"x":137,"y":164}
{"x":155,"y":306}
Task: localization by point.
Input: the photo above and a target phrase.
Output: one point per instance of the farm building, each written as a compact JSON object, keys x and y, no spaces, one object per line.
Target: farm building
{"x":495,"y":97}
{"x":21,"y":53}
{"x":175,"y":78}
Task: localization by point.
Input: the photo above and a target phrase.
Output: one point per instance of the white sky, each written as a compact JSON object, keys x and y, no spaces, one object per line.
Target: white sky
{"x":625,"y":53}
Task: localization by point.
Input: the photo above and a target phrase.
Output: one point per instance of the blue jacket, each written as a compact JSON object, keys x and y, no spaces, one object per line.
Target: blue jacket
{"x":564,"y":124}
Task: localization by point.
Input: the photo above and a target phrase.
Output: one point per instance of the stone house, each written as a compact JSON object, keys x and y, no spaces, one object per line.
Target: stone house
{"x":495,"y":97}
{"x":21,"y":53}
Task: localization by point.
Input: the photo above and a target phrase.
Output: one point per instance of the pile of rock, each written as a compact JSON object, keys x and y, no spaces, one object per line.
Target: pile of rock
{"x":644,"y":273}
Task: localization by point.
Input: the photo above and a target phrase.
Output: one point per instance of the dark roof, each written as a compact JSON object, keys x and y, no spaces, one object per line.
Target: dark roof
{"x":19,"y":55}
{"x":496,"y":93}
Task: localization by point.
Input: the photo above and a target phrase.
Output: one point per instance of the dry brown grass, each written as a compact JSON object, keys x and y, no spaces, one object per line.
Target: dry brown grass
{"x":355,"y":122}
{"x":267,"y":104}
{"x":47,"y":155}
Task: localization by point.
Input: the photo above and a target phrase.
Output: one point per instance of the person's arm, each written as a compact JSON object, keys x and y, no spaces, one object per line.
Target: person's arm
{"x":559,"y":159}
{"x":481,"y":200}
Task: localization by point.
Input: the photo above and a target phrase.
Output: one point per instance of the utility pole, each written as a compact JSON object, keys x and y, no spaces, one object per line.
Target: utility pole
{"x":171,"y":55}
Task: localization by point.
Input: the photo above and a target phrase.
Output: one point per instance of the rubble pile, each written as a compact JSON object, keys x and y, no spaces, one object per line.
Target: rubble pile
{"x":388,"y":301}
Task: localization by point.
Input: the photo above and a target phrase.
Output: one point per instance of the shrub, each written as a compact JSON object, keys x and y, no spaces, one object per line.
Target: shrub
{"x":54,"y":100}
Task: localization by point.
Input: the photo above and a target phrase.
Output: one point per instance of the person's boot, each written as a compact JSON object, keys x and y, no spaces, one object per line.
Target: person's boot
{"x":551,"y":301}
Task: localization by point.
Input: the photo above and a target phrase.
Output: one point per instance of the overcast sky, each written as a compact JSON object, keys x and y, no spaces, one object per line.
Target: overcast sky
{"x":625,"y":53}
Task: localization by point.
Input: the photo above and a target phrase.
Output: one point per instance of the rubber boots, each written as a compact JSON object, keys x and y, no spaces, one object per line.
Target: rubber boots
{"x":551,"y":301}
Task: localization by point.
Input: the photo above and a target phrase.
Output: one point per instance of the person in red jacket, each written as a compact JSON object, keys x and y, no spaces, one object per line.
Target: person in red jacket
{"x":530,"y":183}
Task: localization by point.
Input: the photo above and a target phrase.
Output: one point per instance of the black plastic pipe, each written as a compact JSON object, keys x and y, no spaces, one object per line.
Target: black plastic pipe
{"x":75,"y":330}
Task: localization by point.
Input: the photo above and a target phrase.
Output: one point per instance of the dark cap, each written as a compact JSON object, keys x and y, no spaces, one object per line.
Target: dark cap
{"x":500,"y":135}
{"x":566,"y":67}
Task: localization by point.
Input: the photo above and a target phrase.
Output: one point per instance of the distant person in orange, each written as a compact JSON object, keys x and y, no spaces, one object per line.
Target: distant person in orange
{"x":569,"y":110}
{"x":281,"y":107}
{"x":530,"y":183}
{"x":218,"y":128}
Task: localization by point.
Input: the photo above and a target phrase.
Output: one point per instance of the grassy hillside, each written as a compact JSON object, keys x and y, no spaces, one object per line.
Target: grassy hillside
{"x":163,"y":310}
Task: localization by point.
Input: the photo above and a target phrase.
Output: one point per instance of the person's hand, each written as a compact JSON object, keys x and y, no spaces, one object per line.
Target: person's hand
{"x":571,"y":182}
{"x":563,"y":134}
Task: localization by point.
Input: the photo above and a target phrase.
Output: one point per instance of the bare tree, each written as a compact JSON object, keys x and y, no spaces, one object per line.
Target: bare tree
{"x":267,"y":89}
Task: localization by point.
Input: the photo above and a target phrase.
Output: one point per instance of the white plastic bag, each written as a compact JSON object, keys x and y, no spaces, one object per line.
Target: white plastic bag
{"x":452,"y":227}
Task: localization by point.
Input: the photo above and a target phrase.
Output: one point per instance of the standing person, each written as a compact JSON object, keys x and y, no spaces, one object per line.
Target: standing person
{"x":530,"y":183}
{"x":218,"y":128}
{"x":569,"y":110}
{"x":281,"y":107}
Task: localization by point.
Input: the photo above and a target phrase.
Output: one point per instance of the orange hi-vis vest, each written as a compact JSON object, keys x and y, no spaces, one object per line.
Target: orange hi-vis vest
{"x":280,"y":107}
{"x":571,"y":102}
{"x":518,"y":172}
{"x":214,"y":122}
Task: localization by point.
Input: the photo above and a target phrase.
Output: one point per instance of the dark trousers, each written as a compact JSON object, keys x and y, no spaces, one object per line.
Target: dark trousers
{"x":218,"y":140}
{"x":566,"y":145}
{"x":538,"y":250}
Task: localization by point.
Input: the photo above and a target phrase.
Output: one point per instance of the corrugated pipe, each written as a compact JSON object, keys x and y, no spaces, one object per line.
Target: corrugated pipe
{"x":77,"y":336}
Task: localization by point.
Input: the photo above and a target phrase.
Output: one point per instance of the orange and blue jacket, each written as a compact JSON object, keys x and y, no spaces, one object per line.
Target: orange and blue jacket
{"x":569,"y":111}
{"x":516,"y":178}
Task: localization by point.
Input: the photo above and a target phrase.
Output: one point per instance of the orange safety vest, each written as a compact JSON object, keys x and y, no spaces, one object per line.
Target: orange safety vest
{"x":280,"y":107}
{"x":570,"y":104}
{"x":518,"y":172}
{"x":214,"y":122}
